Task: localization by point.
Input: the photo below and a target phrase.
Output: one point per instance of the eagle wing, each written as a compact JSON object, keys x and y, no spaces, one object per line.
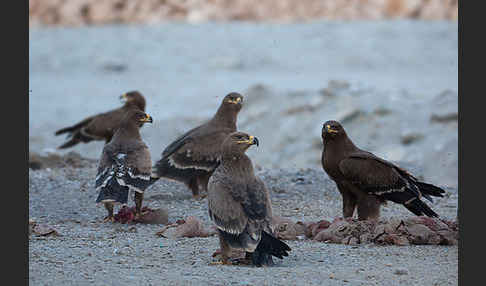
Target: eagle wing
{"x":379,"y":177}
{"x":128,"y":166}
{"x":236,"y":207}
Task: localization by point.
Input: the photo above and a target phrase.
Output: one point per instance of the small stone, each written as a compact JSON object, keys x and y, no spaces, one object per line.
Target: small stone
{"x":400,"y":271}
{"x":444,"y":118}
{"x":410,"y":138}
{"x":114,"y":67}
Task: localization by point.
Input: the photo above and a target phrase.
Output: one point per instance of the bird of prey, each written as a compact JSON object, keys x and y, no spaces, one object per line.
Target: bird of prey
{"x":365,"y":181}
{"x":101,"y":126}
{"x":125,"y":165}
{"x":193,"y":156}
{"x":240,"y":207}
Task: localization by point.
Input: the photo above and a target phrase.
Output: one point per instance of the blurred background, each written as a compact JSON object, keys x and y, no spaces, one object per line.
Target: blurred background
{"x":386,"y":69}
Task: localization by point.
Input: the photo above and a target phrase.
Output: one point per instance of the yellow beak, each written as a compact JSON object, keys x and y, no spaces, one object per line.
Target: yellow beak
{"x":330,"y":130}
{"x":237,"y":100}
{"x":147,"y":118}
{"x":251,"y":141}
{"x":123,"y":98}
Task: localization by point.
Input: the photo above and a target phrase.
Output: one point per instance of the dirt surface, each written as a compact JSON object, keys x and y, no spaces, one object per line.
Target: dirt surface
{"x":88,"y":251}
{"x":88,"y":12}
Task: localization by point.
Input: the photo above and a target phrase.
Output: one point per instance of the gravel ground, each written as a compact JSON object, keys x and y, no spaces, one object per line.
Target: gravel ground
{"x":393,"y":84}
{"x":92,"y":252}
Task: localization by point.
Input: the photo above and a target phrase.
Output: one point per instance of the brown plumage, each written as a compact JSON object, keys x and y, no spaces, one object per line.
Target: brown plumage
{"x":365,"y":181}
{"x":239,"y":205}
{"x":102,"y":126}
{"x":125,"y":165}
{"x":192,"y":157}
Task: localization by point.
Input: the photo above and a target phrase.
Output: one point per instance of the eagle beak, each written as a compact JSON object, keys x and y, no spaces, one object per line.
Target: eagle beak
{"x":123,"y":98}
{"x":330,"y":130}
{"x":147,"y":118}
{"x":236,"y":101}
{"x":253,"y":140}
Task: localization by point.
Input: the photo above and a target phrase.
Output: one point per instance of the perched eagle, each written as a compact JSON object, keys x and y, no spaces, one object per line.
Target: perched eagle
{"x":192,"y":157}
{"x":239,"y":205}
{"x":366,"y":181}
{"x":102,"y":126}
{"x":125,"y":165}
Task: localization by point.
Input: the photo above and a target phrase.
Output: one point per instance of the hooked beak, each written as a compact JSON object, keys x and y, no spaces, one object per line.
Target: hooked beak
{"x":253,"y":141}
{"x":330,"y":130}
{"x":147,"y":118}
{"x":236,"y":101}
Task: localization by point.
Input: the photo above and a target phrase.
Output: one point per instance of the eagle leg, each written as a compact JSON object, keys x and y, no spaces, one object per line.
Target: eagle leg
{"x":110,"y":217}
{"x":138,"y":204}
{"x":202,"y":182}
{"x":194,"y":186}
{"x":368,"y":207}
{"x":225,"y":252}
{"x":247,"y":260}
{"x":349,"y":204}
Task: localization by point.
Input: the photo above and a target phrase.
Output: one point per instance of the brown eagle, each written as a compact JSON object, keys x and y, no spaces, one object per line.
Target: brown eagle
{"x":193,"y":156}
{"x":365,"y":181}
{"x":239,"y":205}
{"x":125,"y":165}
{"x":102,"y":126}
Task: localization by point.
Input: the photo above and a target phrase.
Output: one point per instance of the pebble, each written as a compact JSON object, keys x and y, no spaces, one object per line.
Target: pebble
{"x":400,"y":271}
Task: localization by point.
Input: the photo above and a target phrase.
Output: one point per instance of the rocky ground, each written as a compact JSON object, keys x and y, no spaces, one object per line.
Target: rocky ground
{"x":88,"y":251}
{"x":393,"y":84}
{"x":89,"y":12}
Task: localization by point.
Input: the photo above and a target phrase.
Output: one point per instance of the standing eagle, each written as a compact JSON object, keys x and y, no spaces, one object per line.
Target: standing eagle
{"x":366,"y":181}
{"x":192,"y":157}
{"x":102,"y":126}
{"x":125,"y":165}
{"x":239,"y":205}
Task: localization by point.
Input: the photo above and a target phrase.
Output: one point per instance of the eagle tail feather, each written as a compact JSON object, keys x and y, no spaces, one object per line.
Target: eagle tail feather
{"x":429,"y":189}
{"x":113,"y":192}
{"x":269,"y":246}
{"x":419,"y":208}
{"x":76,"y":138}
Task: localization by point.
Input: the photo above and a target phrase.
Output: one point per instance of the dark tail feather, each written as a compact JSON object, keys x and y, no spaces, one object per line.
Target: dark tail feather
{"x":259,"y":258}
{"x":74,"y":127}
{"x":69,"y":143}
{"x":113,"y":192}
{"x":269,"y":246}
{"x":420,"y":208}
{"x":429,"y":198}
{"x":64,"y":130}
{"x":429,"y":189}
{"x":76,"y":138}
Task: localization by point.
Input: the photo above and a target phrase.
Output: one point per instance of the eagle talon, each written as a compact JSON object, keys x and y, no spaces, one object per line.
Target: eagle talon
{"x":200,"y":197}
{"x":217,"y":253}
{"x":242,"y":261}
{"x":109,"y":219}
{"x":221,"y":262}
